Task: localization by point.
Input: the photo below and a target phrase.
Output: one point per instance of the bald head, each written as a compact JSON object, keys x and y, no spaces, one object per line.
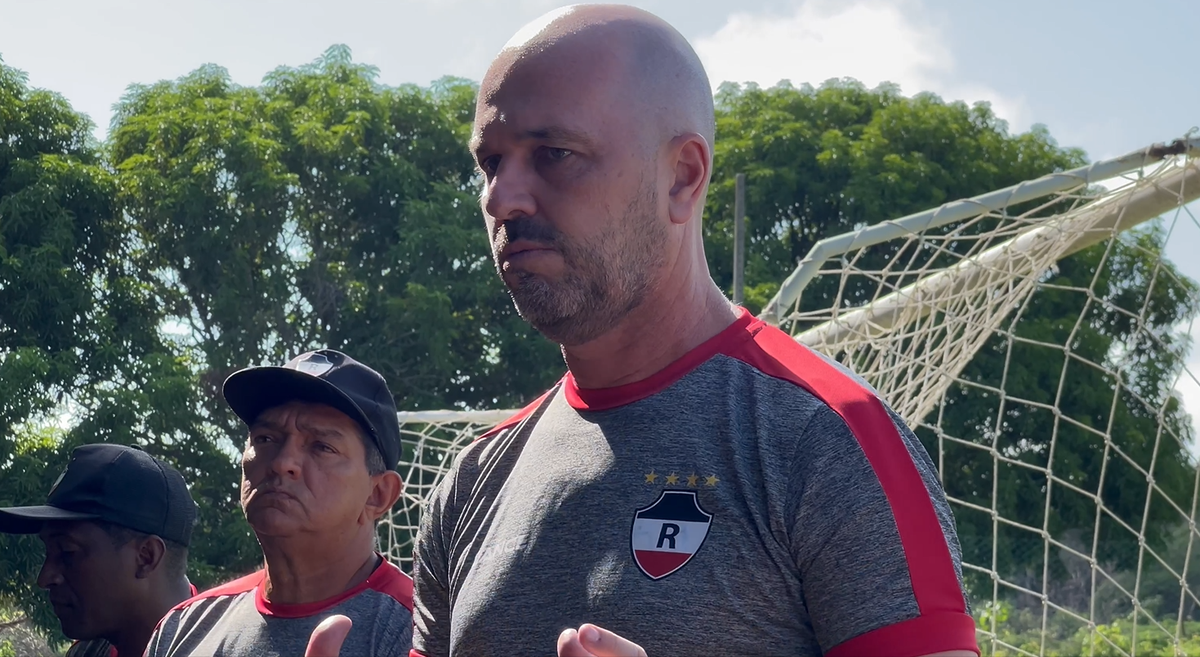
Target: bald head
{"x":653,"y":73}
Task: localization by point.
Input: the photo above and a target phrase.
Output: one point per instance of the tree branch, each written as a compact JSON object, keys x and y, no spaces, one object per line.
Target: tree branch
{"x":13,"y":623}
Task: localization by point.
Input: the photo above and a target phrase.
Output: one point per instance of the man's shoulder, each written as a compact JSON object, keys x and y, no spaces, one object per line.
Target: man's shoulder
{"x":392,"y":582}
{"x":92,"y":648}
{"x":778,"y":355}
{"x":793,"y":383}
{"x":235,"y":587}
{"x":516,"y":418}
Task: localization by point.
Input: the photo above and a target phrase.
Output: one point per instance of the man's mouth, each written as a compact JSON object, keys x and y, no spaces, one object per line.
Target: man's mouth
{"x":272,"y":494}
{"x":58,"y":605}
{"x":519,"y":247}
{"x":517,"y":254}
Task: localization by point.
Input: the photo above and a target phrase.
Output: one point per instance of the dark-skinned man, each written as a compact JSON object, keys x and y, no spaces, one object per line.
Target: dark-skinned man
{"x":116,"y":528}
{"x":318,"y":472}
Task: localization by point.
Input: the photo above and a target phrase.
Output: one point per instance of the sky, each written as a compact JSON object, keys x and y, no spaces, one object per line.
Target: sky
{"x":1109,"y":77}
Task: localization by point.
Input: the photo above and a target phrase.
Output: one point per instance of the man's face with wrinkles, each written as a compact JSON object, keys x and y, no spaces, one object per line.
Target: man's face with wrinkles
{"x":304,"y":471}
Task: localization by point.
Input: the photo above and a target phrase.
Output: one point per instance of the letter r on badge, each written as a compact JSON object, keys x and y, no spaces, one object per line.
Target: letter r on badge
{"x":668,"y":533}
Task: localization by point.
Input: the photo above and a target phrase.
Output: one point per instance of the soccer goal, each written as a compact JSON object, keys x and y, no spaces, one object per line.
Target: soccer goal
{"x":1036,"y":338}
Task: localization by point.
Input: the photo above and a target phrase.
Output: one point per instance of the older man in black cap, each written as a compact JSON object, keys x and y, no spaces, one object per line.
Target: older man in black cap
{"x":318,"y":472}
{"x":116,"y":526}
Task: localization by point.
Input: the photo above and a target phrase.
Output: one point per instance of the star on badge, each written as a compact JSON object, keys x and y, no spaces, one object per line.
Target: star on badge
{"x":692,"y":480}
{"x":672,"y":479}
{"x":651,"y":477}
{"x":711,"y":481}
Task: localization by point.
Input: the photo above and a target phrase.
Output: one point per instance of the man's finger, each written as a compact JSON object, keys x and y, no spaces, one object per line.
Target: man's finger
{"x":569,"y":646}
{"x":602,"y":643}
{"x":327,"y":638}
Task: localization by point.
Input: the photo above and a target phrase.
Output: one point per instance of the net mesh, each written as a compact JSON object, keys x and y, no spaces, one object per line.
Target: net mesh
{"x":431,"y":439}
{"x":1038,"y":349}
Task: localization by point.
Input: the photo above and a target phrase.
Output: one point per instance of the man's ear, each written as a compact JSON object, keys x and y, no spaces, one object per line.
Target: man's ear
{"x":385,"y":490}
{"x":149,"y":553}
{"x":691,"y":166}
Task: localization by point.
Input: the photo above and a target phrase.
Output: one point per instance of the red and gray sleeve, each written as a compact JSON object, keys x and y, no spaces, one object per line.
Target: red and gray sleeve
{"x":873,"y":538}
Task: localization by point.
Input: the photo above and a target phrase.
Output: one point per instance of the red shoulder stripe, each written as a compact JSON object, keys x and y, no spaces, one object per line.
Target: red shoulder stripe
{"x":239,"y":585}
{"x":386,"y":578}
{"x":930,"y":566}
{"x":516,"y":419}
{"x":393,"y":582}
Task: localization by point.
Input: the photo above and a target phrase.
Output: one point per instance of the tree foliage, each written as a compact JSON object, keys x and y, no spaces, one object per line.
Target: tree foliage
{"x":824,"y":161}
{"x":82,"y":358}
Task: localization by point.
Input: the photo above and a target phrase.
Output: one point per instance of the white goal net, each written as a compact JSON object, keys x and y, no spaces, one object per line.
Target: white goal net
{"x":1036,"y":338}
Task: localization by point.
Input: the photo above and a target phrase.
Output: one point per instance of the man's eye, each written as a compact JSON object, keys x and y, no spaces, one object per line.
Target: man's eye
{"x":489,"y":164}
{"x":322,"y":447}
{"x":557,"y":154}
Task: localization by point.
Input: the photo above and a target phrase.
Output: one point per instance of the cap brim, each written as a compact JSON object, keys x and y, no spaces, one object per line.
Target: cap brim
{"x":251,"y":391}
{"x":29,"y":519}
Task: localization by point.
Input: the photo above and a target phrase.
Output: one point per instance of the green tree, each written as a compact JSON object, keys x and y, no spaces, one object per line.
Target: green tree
{"x":346,"y":216}
{"x":823,"y":161}
{"x":81,"y":355}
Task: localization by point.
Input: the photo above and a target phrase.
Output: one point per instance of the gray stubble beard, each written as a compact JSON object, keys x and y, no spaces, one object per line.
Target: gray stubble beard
{"x":607,"y":278}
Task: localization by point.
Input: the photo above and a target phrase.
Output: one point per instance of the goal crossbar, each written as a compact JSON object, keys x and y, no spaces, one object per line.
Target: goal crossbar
{"x":962,"y":210}
{"x":1013,"y":258}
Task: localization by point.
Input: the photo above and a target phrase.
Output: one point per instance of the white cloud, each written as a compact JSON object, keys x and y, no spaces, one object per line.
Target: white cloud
{"x":871,"y":40}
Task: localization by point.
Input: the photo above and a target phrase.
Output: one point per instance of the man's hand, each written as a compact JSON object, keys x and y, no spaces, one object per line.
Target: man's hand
{"x":592,"y":641}
{"x":327,"y":638}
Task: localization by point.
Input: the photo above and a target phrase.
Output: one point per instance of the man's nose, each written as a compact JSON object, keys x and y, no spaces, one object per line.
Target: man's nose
{"x":509,"y":193}
{"x":288,"y":460}
{"x":49,"y":575}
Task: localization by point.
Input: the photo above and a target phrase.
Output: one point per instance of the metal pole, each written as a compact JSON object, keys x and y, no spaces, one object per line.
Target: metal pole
{"x":739,"y":240}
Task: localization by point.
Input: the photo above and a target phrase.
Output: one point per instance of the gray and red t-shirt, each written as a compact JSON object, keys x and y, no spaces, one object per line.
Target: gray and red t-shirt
{"x":753,"y":498}
{"x":236,"y":620}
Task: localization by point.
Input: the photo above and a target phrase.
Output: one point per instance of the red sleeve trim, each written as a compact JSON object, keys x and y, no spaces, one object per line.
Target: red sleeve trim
{"x":237,"y":586}
{"x":600,"y":399}
{"x":394,"y":583}
{"x":923,"y":635}
{"x":930,"y":566}
{"x":413,"y":653}
{"x":386,"y":578}
{"x":516,"y":419}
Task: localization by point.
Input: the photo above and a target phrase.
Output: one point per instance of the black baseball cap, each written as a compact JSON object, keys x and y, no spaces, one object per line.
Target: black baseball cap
{"x":327,"y":377}
{"x":117,"y":484}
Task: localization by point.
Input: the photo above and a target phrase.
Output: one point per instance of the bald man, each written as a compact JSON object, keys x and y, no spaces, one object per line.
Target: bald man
{"x":698,"y":482}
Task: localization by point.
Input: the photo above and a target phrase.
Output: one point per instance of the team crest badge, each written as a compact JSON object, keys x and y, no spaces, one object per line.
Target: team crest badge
{"x":668,"y":533}
{"x":315,"y":364}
